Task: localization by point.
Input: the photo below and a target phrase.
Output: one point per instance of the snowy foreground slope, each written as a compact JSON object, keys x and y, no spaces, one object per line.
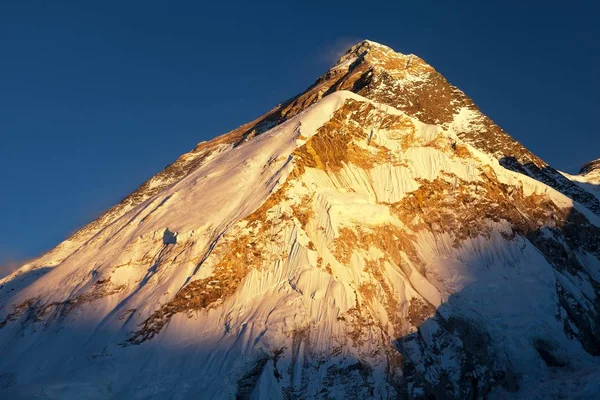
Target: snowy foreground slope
{"x":374,"y":237}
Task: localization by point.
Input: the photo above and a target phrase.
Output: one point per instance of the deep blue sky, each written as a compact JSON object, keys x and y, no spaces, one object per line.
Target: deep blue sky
{"x":97,"y":96}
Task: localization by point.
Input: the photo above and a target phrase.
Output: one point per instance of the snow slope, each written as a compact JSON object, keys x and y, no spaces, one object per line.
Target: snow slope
{"x":588,"y":178}
{"x":345,"y":245}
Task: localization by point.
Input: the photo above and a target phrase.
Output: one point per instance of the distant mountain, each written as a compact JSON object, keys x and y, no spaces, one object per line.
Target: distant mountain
{"x":592,"y":170}
{"x":376,"y":236}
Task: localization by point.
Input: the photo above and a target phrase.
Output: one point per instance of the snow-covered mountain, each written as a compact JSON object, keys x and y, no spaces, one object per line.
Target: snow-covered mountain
{"x":376,"y":236}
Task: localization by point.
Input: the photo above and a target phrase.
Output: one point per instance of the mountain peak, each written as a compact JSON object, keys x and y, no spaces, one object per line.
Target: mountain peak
{"x":590,"y":167}
{"x":366,"y":45}
{"x":329,"y":248}
{"x":367,"y":49}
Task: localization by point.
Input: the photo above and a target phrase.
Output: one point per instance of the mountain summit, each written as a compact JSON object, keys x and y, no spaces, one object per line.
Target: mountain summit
{"x":593,"y":167}
{"x":375,"y":236}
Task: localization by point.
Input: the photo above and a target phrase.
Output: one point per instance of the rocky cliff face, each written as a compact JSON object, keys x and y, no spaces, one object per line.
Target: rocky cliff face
{"x":375,"y":236}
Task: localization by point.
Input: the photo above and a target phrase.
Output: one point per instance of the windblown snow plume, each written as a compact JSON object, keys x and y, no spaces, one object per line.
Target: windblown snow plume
{"x":376,"y":236}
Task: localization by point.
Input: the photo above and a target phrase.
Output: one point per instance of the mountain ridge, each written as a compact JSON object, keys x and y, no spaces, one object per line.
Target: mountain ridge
{"x":384,"y":241}
{"x":530,"y":165}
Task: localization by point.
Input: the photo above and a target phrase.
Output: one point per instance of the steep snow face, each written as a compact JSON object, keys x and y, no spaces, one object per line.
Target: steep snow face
{"x":355,"y":248}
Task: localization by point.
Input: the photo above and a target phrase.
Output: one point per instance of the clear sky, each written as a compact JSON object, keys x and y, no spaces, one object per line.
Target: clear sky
{"x":97,"y":96}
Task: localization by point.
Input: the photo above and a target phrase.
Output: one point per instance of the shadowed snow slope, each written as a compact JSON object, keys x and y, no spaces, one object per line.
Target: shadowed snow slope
{"x":375,"y":236}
